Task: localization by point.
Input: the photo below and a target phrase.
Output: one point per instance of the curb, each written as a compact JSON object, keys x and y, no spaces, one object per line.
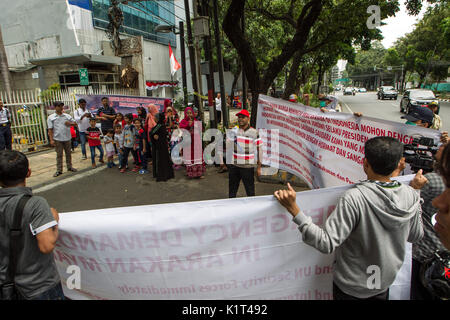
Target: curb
{"x":74,"y":174}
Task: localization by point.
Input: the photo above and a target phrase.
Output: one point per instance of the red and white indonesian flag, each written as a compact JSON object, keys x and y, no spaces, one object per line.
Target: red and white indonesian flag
{"x":174,"y":65}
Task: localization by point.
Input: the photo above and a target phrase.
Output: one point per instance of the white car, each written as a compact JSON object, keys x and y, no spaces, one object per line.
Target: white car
{"x":362,"y":90}
{"x":349,"y":90}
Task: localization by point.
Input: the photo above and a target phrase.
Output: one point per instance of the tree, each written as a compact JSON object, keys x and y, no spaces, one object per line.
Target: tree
{"x":308,"y":26}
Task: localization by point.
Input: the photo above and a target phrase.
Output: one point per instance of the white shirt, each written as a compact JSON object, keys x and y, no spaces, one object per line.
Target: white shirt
{"x":219,"y":104}
{"x":61,"y":132}
{"x":4,"y":113}
{"x":82,"y":124}
{"x":108,"y":146}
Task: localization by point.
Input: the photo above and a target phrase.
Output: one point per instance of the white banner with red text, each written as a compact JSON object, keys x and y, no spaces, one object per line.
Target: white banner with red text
{"x":323,"y":149}
{"x":244,"y":248}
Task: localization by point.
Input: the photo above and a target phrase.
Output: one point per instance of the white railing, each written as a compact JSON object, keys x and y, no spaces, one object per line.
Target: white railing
{"x":29,"y":111}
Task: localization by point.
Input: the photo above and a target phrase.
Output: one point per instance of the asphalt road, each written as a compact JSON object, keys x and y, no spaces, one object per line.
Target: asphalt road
{"x":369,"y":105}
{"x":109,"y":189}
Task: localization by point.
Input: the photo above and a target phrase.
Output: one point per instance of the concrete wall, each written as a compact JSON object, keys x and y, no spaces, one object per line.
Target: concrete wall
{"x":25,"y":21}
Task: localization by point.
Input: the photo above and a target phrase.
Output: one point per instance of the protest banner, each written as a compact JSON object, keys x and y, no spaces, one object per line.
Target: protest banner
{"x":122,"y":104}
{"x":324,"y":149}
{"x":245,"y":248}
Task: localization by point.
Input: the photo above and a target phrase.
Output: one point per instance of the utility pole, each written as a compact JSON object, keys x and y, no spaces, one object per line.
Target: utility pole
{"x":183,"y":63}
{"x":6,"y":76}
{"x":220,"y":64}
{"x":192,"y":60}
{"x":244,"y":84}
{"x":198,"y":58}
{"x":210,"y":75}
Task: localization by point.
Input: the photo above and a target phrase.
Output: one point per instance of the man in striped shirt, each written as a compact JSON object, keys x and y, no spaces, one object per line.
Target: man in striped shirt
{"x":246,"y":156}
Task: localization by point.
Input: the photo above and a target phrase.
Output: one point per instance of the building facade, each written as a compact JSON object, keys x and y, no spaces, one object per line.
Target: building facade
{"x":49,"y":41}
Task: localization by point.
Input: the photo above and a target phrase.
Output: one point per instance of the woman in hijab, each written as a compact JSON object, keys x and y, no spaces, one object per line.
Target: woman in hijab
{"x":162,"y":164}
{"x":149,"y":123}
{"x":195,"y":166}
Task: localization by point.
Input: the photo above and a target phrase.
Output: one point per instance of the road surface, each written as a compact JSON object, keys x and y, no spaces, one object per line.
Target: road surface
{"x":369,"y":105}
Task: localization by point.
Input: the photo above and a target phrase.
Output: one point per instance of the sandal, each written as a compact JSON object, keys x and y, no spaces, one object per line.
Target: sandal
{"x":57,"y":173}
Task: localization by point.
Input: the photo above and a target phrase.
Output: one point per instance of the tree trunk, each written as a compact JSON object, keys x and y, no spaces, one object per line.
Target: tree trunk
{"x":293,"y":76}
{"x":233,"y":85}
{"x":260,"y":82}
{"x":319,"y":80}
{"x":6,"y":76}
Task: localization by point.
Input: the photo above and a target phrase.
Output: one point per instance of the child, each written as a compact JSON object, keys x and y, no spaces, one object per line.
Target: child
{"x":140,"y":148}
{"x":118,"y":141}
{"x":109,"y":146}
{"x":120,"y":120}
{"x":129,"y":139}
{"x":93,"y":136}
{"x":75,"y":137}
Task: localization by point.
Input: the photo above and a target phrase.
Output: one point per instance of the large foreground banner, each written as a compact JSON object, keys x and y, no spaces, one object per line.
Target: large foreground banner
{"x":324,"y":149}
{"x":244,"y":248}
{"x":122,"y":104}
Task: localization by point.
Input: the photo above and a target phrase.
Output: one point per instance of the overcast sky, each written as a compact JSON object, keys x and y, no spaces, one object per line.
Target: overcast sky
{"x":399,"y":25}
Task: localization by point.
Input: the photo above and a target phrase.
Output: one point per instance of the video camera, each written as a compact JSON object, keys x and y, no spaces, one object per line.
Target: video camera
{"x":420,"y":154}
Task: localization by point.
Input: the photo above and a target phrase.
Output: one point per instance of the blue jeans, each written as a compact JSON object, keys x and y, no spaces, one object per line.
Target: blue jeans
{"x":93,"y":153}
{"x":55,"y":293}
{"x":83,"y":143}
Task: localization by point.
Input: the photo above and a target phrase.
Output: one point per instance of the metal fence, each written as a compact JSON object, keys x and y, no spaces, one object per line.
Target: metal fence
{"x":30,"y":108}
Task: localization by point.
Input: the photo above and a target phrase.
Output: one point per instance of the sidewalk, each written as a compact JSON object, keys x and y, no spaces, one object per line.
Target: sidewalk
{"x":43,"y":167}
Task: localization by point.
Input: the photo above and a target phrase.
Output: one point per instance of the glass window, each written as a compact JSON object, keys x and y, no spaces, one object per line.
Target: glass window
{"x":139,"y":22}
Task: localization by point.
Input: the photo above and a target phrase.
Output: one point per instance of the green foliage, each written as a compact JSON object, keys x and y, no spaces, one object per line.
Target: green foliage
{"x":47,"y":95}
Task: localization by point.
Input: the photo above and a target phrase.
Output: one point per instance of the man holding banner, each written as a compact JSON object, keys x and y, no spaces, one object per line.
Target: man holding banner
{"x":369,"y":227}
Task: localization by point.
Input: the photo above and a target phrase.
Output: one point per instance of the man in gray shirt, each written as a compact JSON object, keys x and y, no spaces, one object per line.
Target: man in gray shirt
{"x":36,"y":276}
{"x":59,"y":125}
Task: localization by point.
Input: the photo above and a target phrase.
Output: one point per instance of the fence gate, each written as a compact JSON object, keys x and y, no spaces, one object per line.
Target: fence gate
{"x":29,"y":113}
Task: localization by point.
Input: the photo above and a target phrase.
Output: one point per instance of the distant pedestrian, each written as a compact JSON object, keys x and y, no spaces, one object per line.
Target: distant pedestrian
{"x":82,"y":116}
{"x":140,"y":148}
{"x":60,"y":137}
{"x":93,"y":136}
{"x":109,"y":147}
{"x":107,"y":115}
{"x":118,"y":142}
{"x":162,"y":164}
{"x":219,"y":108}
{"x":129,"y":139}
{"x":34,"y":273}
{"x":195,"y":166}
{"x":245,"y":143}
{"x":5,"y":128}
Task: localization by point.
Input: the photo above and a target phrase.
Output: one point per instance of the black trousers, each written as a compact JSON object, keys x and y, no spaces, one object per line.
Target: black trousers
{"x":5,"y":137}
{"x":219,"y":116}
{"x":338,"y":294}
{"x":235,"y":174}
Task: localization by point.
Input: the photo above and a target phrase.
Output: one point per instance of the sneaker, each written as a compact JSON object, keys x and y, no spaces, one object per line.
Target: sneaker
{"x":101,"y":161}
{"x":57,"y":173}
{"x":143,"y":171}
{"x":136,"y":169}
{"x":123,"y":170}
{"x":72,"y":169}
{"x":83,"y":158}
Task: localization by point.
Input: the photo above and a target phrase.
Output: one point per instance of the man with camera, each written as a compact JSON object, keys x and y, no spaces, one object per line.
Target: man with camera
{"x":430,"y":185}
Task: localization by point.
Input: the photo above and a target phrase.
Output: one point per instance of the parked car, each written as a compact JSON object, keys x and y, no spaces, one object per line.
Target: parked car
{"x":362,"y":90}
{"x":387,"y":92}
{"x":348,"y":90}
{"x":414,"y":98}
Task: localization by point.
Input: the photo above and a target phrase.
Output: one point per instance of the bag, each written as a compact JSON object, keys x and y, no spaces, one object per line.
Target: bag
{"x":8,"y":290}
